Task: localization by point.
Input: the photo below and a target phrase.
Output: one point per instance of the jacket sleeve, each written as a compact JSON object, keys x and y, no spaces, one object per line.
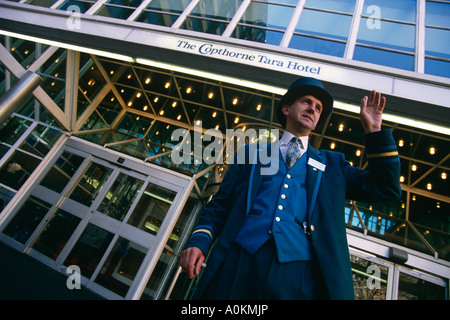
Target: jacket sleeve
{"x":381,"y":180}
{"x":214,"y":215}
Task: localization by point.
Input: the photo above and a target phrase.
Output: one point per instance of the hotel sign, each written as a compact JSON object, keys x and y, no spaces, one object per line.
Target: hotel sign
{"x":350,"y":75}
{"x":275,"y":61}
{"x":247,"y":56}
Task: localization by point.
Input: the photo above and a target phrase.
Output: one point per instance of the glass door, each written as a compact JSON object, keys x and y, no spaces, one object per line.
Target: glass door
{"x":378,"y":279}
{"x":107,"y":220}
{"x":417,"y":285}
{"x":41,"y":205}
{"x":372,"y":277}
{"x":72,"y":204}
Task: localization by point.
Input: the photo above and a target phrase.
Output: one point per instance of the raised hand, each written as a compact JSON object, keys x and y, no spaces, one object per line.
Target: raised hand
{"x":371,"y":111}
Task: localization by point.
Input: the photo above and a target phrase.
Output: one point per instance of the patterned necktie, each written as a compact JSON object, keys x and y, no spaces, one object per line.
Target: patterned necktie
{"x":293,"y":152}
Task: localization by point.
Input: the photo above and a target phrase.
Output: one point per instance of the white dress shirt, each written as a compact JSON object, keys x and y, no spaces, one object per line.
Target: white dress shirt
{"x":284,"y":143}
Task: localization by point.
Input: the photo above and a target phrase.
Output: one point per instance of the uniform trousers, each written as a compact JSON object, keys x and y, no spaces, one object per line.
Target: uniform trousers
{"x":261,"y":277}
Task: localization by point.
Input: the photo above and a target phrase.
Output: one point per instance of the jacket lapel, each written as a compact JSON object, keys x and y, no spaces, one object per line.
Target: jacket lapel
{"x":315,"y":169}
{"x":254,"y":183}
{"x":256,"y":177}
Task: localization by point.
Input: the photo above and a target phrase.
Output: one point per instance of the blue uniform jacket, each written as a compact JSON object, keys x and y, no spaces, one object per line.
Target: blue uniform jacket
{"x":330,"y":181}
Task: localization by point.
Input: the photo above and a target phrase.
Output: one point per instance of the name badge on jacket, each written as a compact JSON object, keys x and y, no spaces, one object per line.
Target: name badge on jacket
{"x":316,"y":164}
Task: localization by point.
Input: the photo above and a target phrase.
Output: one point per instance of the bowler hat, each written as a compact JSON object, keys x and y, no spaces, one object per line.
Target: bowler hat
{"x":302,"y":87}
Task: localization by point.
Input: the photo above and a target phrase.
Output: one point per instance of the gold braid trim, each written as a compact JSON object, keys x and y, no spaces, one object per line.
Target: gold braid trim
{"x":384,"y":154}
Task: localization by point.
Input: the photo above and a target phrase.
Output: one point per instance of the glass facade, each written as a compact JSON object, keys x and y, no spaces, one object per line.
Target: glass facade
{"x":331,"y":34}
{"x":161,"y":12}
{"x":264,"y":22}
{"x":211,"y":16}
{"x":437,"y":28}
{"x":385,"y":32}
{"x":125,"y":227}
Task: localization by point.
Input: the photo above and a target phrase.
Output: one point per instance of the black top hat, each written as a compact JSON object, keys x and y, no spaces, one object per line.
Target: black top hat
{"x":302,"y":87}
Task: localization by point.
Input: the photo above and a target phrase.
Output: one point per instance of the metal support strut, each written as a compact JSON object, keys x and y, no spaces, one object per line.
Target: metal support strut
{"x":17,"y":93}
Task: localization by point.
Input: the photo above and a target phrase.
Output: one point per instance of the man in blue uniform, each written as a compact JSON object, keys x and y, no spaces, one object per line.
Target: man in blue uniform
{"x":283,"y":236}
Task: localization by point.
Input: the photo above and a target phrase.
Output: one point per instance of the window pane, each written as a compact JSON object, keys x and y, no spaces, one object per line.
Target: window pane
{"x":412,"y":288}
{"x":90,"y":184}
{"x":157,"y":277}
{"x":107,"y":111}
{"x":55,"y":88}
{"x":83,"y":6}
{"x":267,"y":15}
{"x":149,"y":213}
{"x":341,"y":5}
{"x":120,"y":197}
{"x":56,"y":64}
{"x":90,"y":82}
{"x":62,"y":171}
{"x":369,"y":279}
{"x":127,"y":3}
{"x":177,"y":6}
{"x":119,"y":12}
{"x":437,"y":14}
{"x":134,"y":126}
{"x":207,"y":26}
{"x":27,"y":219}
{"x":403,"y":10}
{"x":40,"y":141}
{"x":385,"y":58}
{"x":119,"y":270}
{"x":138,"y":149}
{"x":324,"y":24}
{"x":163,"y":12}
{"x":12,"y":129}
{"x":23,"y":51}
{"x":17,"y":169}
{"x":390,"y":35}
{"x":89,"y":249}
{"x":28,"y":107}
{"x":332,"y":48}
{"x":224,"y":9}
{"x":291,"y":2}
{"x":438,"y":238}
{"x":5,"y":197}
{"x":43,"y":3}
{"x":437,"y":68}
{"x":162,"y":270}
{"x":437,"y":42}
{"x":257,"y":34}
{"x":115,"y":12}
{"x":157,"y":18}
{"x":4,"y":149}
{"x":57,"y":232}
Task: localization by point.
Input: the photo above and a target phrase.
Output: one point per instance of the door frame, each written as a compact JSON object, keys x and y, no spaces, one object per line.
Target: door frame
{"x":177,"y":182}
{"x":418,"y":264}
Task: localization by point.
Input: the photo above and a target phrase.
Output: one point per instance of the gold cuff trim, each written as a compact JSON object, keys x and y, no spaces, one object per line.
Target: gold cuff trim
{"x":384,"y":154}
{"x":203,"y":230}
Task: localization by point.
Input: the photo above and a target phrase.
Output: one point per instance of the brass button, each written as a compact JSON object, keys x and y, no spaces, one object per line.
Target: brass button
{"x":312,"y":227}
{"x":280,"y":207}
{"x":288,"y":176}
{"x":270,"y":231}
{"x":286,"y":186}
{"x":277,"y":219}
{"x":283,"y":196}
